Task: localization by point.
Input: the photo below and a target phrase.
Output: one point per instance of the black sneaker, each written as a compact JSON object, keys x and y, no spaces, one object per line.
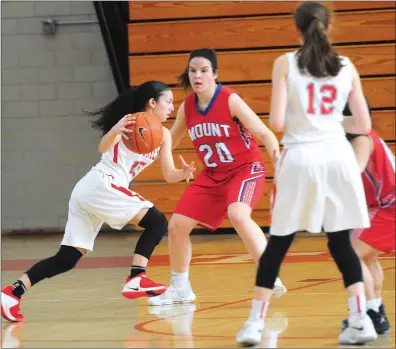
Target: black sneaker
{"x":385,"y":318}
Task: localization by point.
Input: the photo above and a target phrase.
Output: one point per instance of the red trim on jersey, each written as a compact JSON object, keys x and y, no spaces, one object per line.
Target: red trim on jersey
{"x":127,"y":192}
{"x":115,"y":156}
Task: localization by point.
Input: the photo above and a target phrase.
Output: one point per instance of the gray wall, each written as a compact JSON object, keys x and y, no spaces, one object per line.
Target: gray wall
{"x":47,"y":144}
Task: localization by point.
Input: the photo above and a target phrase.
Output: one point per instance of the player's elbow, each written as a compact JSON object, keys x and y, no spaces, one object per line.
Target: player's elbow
{"x":167,"y":175}
{"x":277,"y":125}
{"x":276,"y":122}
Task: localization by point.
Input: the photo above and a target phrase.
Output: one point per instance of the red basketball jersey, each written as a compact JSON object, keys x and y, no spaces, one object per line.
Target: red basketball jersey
{"x":220,"y":140}
{"x":379,"y":175}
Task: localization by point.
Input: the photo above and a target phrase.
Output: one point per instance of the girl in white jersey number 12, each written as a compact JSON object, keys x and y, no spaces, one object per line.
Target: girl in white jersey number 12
{"x":102,"y":196}
{"x":318,"y":182}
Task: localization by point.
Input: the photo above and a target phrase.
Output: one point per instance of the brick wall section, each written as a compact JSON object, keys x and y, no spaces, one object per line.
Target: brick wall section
{"x":47,"y":144}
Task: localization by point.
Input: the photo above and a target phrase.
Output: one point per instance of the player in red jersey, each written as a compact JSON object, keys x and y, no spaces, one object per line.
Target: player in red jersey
{"x":377,"y":164}
{"x":220,"y":125}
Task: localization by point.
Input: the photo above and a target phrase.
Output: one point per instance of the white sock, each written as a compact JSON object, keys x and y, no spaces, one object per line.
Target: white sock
{"x":259,"y":310}
{"x":357,"y":306}
{"x":180,"y":280}
{"x":374,"y":304}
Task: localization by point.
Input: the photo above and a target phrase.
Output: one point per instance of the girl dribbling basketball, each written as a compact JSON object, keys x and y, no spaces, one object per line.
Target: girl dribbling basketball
{"x":102,"y":196}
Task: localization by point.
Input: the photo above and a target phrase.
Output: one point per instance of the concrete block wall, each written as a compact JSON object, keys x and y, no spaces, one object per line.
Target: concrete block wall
{"x":47,"y":143}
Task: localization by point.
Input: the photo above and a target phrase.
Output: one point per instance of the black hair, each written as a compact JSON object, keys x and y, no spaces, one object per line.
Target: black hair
{"x":207,"y":53}
{"x":131,"y":101}
{"x":316,"y":55}
{"x":347,"y":112}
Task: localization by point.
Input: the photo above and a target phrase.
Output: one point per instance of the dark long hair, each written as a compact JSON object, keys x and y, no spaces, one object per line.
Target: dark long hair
{"x":133,"y":100}
{"x":316,"y":55}
{"x":209,"y":54}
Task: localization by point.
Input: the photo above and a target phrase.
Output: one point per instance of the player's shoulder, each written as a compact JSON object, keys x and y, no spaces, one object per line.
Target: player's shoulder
{"x":344,"y":60}
{"x":283,"y":59}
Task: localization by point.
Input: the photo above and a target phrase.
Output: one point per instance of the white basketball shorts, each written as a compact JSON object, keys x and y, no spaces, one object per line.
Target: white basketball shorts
{"x":318,"y":187}
{"x":97,"y":199}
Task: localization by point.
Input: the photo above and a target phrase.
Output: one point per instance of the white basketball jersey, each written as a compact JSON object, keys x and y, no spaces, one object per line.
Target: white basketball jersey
{"x":315,"y":105}
{"x":123,"y":164}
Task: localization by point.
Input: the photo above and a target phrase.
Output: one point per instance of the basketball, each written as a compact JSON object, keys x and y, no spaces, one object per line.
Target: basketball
{"x":147,"y":134}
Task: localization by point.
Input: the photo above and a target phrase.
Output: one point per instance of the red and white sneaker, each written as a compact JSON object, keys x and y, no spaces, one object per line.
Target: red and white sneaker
{"x":141,"y":286}
{"x":10,"y":305}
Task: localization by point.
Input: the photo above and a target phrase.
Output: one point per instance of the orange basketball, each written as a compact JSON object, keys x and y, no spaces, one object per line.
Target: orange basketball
{"x":147,"y":134}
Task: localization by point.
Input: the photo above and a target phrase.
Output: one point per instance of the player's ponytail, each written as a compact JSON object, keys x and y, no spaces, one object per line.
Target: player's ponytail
{"x":316,"y":55}
{"x":132,"y":100}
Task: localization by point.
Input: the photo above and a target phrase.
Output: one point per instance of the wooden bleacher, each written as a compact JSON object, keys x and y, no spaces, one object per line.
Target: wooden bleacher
{"x":248,"y":36}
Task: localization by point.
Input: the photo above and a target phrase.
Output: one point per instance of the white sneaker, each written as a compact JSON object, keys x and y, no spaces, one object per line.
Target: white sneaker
{"x":251,"y":334}
{"x":279,"y":289}
{"x":173,"y":295}
{"x":358,"y":331}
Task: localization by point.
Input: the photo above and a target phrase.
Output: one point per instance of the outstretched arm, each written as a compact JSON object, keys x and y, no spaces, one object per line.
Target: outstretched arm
{"x":169,"y":171}
{"x":256,"y":127}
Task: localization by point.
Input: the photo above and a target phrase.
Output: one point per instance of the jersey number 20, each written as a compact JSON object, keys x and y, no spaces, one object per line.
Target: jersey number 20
{"x":222,"y":151}
{"x":328,"y":94}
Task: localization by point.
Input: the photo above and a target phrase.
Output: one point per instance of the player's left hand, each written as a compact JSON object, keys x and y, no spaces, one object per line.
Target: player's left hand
{"x":188,"y":169}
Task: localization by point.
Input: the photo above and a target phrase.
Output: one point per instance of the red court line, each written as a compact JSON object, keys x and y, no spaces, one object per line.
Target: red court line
{"x":142,"y":326}
{"x":163,"y":260}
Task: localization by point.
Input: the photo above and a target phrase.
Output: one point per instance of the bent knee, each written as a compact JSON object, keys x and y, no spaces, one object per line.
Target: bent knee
{"x":84,"y":251}
{"x":238,"y":218}
{"x":180,"y":225}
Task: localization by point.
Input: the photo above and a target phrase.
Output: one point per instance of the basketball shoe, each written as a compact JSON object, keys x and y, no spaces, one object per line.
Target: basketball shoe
{"x":279,"y":289}
{"x":10,"y":305}
{"x":379,"y":319}
{"x":141,"y":286}
{"x":173,"y":295}
{"x":360,"y":330}
{"x":251,"y":334}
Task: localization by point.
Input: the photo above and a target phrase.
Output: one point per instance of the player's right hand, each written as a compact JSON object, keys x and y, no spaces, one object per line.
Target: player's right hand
{"x":120,"y":128}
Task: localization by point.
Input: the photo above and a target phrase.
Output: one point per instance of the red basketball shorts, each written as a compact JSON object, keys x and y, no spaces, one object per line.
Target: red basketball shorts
{"x":207,"y":198}
{"x":381,"y":234}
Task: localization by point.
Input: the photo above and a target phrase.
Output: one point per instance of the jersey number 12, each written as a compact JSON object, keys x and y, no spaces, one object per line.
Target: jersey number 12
{"x":328,"y":94}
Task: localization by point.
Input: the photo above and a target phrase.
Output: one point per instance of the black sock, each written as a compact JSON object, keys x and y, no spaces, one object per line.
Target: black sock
{"x":136,"y":270}
{"x":19,"y":289}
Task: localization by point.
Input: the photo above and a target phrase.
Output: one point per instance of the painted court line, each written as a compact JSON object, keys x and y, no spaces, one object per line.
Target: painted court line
{"x":142,"y":326}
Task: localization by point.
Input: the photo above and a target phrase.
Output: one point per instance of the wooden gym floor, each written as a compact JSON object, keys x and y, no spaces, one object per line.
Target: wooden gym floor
{"x":84,"y":308}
